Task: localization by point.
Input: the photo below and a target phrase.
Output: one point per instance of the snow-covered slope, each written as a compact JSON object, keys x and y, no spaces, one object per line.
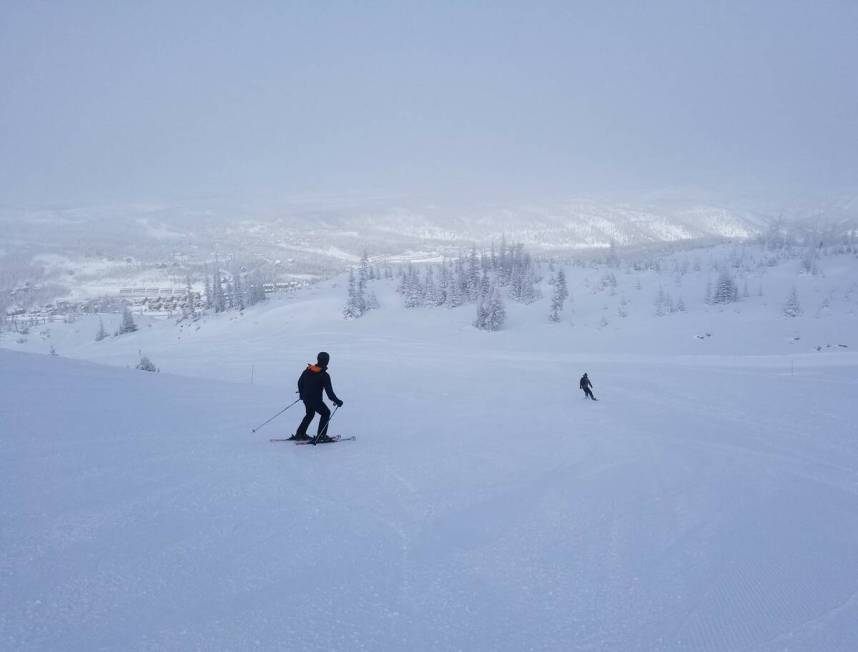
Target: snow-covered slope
{"x":707,"y":502}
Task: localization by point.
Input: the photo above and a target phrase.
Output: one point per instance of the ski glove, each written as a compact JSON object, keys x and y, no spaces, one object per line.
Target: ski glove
{"x":339,"y":404}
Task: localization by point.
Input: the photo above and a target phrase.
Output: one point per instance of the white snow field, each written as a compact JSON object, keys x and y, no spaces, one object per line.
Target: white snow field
{"x":708,"y":501}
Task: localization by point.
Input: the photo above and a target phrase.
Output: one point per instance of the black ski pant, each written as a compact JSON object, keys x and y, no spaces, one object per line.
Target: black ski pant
{"x":588,"y":393}
{"x":312,"y":409}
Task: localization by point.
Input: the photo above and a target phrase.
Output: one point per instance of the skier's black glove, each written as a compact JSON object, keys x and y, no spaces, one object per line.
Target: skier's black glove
{"x":339,"y":404}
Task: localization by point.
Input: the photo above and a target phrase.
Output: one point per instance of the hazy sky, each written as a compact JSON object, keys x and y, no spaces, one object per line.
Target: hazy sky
{"x":149,"y":101}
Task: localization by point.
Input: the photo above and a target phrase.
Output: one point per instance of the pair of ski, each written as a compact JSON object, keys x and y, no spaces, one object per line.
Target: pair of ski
{"x":333,"y":440}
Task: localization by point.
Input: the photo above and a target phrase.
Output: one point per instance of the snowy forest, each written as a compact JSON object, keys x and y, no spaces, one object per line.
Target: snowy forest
{"x":487,"y":278}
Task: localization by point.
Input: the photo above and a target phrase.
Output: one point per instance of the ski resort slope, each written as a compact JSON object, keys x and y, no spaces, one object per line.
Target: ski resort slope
{"x":702,"y":504}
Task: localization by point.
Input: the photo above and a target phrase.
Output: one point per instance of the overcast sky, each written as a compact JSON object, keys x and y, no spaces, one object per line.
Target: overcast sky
{"x":150,"y":101}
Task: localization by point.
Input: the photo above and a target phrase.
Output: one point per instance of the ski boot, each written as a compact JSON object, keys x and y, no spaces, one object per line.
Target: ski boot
{"x":297,"y":437}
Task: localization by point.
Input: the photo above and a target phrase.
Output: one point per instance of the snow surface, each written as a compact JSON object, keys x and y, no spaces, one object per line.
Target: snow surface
{"x":707,"y":502}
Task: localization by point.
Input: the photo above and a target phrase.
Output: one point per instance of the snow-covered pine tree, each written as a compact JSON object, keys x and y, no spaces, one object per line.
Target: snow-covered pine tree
{"x":792,"y":307}
{"x":564,"y":287}
{"x":558,"y":295}
{"x":661,"y":302}
{"x":443,"y":284}
{"x":363,"y":271}
{"x":725,"y":290}
{"x":370,"y":300}
{"x":256,"y":289}
{"x":414,"y":291}
{"x":351,"y":311}
{"x":189,"y":310}
{"x":491,"y":313}
{"x":146,"y":364}
{"x":503,"y":264}
{"x":402,"y":286}
{"x":522,"y":286}
{"x":208,"y":301}
{"x":808,"y":261}
{"x":228,"y":296}
{"x":485,"y":286}
{"x":238,"y":294}
{"x":472,"y":275}
{"x":218,"y":296}
{"x":101,"y":334}
{"x":455,"y":295}
{"x":430,"y":290}
{"x":127,"y":324}
{"x":360,"y":295}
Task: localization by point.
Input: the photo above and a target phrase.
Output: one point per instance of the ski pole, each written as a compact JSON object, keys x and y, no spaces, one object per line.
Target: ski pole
{"x":275,"y":416}
{"x":325,"y":429}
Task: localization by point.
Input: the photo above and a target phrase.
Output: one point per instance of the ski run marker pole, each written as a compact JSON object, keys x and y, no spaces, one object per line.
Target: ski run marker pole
{"x":275,"y":416}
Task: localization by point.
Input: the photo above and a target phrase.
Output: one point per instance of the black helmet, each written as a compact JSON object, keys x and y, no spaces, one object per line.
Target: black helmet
{"x":323,"y":359}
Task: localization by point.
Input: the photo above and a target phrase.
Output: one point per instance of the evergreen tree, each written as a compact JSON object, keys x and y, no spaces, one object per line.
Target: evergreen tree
{"x":792,"y":308}
{"x":209,"y":300}
{"x":485,"y":286}
{"x":472,"y":279}
{"x":256,"y":289}
{"x":237,"y":290}
{"x":558,"y":296}
{"x":364,"y":271}
{"x":189,"y":310}
{"x":370,"y":300}
{"x":443,"y":284}
{"x":808,"y":261}
{"x":661,"y":302}
{"x":101,"y":334}
{"x":146,"y":364}
{"x":725,"y":290}
{"x":351,"y":310}
{"x":430,"y":291}
{"x":127,"y":324}
{"x":564,"y":288}
{"x":491,"y":313}
{"x":456,"y":296}
{"x":228,"y":296}
{"x":218,"y":296}
{"x":503,"y":267}
{"x":414,"y":291}
{"x":360,"y":295}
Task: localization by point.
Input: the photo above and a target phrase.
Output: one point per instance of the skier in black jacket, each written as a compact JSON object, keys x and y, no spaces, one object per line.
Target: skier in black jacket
{"x":313,"y":380}
{"x":587,"y":386}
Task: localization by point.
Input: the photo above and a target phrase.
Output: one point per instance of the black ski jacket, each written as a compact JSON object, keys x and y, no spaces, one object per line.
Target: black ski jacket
{"x":313,"y":380}
{"x":585,"y":382}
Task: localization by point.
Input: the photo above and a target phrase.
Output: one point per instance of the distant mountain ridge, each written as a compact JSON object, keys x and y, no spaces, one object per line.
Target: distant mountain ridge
{"x":569,"y":226}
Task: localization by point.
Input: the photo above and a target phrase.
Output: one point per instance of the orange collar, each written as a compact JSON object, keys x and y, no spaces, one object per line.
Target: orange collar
{"x":314,"y":368}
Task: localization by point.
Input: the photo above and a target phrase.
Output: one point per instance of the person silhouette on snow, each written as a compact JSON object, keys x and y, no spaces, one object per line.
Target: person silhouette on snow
{"x":313,"y":380}
{"x":587,"y":386}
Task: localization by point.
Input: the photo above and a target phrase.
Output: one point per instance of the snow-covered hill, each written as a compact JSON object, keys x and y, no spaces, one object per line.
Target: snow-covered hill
{"x":87,"y":252}
{"x":706,"y":502}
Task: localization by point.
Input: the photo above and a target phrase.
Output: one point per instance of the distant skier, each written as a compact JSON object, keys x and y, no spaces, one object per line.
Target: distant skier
{"x":313,"y":380}
{"x":587,"y":386}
